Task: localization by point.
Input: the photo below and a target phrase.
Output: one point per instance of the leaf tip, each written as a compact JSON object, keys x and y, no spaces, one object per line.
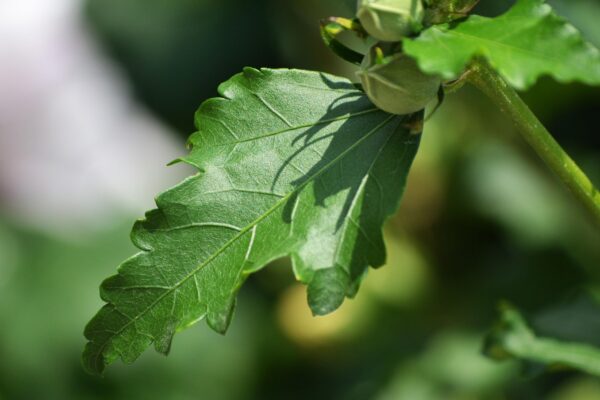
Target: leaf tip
{"x":162,"y":344}
{"x":92,"y":360}
{"x":219,"y":320}
{"x":327,"y":290}
{"x":175,"y":161}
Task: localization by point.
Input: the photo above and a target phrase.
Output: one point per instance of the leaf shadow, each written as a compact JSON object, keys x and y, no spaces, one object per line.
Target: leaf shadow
{"x":339,"y":169}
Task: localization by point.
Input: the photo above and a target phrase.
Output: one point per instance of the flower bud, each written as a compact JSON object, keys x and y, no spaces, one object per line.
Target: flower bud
{"x":390,"y":20}
{"x":397,"y":85}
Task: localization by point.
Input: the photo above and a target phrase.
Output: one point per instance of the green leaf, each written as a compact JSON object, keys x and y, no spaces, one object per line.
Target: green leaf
{"x":512,"y":337}
{"x":528,"y":41}
{"x":292,"y":163}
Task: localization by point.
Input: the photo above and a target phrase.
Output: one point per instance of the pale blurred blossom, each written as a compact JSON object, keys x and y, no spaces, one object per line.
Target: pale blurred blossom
{"x":76,"y":150}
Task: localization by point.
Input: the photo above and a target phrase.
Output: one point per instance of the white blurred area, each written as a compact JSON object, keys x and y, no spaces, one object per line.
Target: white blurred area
{"x":77,"y":152}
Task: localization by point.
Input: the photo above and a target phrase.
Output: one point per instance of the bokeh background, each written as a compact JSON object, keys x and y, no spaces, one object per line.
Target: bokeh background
{"x":97,"y":96}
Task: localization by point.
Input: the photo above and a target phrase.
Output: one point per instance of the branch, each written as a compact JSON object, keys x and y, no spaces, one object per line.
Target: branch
{"x":506,"y":98}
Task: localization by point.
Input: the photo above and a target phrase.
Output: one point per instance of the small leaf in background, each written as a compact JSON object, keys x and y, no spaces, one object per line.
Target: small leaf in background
{"x":512,"y":337}
{"x":451,"y":366}
{"x":528,"y":41}
{"x":292,"y":163}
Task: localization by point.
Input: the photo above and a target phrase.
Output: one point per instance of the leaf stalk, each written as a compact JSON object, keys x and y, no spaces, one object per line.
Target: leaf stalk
{"x":531,"y":129}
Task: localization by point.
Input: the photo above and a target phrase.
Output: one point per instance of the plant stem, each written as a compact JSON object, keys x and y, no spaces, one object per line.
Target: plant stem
{"x":513,"y":337}
{"x":538,"y":137}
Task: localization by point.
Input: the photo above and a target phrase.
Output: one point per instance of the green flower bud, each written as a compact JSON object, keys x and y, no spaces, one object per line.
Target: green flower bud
{"x":390,"y":20}
{"x":396,"y":85}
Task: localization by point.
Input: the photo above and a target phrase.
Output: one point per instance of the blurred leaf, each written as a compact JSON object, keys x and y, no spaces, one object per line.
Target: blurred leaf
{"x":576,"y":318}
{"x":450,"y":367}
{"x":528,"y":41}
{"x":512,"y":337}
{"x":504,"y":186}
{"x":407,"y":277}
{"x":584,"y":14}
{"x":580,"y":389}
{"x":303,"y":328}
{"x":288,"y":160}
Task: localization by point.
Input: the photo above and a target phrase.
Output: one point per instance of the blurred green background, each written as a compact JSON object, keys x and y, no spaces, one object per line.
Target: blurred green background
{"x":482,"y":219}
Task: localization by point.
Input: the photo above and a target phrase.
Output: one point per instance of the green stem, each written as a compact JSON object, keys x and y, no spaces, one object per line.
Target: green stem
{"x":512,"y":337}
{"x":507,"y":99}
